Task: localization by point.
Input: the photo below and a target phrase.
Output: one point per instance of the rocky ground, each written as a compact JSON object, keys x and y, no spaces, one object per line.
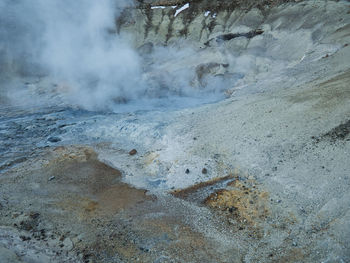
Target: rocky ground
{"x":262,"y":176}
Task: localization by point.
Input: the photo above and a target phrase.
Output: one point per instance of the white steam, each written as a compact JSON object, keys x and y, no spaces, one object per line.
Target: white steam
{"x":74,"y":42}
{"x":73,"y":50}
{"x":81,"y":49}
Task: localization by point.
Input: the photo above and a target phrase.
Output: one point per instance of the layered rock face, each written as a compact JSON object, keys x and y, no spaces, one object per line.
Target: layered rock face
{"x":237,"y":42}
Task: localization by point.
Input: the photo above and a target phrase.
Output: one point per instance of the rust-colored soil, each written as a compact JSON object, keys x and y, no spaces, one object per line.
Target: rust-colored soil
{"x":243,"y":200}
{"x":89,"y":186}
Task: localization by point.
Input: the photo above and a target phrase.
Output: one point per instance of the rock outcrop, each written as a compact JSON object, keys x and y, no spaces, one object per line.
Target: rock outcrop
{"x":230,"y":44}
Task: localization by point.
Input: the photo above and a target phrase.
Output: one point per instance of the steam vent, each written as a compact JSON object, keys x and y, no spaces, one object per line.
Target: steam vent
{"x":172,"y":131}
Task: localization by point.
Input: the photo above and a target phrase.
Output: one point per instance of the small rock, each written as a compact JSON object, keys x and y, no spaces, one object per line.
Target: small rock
{"x":204,"y":171}
{"x":68,"y":244}
{"x":54,"y":139}
{"x":232,"y":209}
{"x":187,"y":171}
{"x":294,"y":244}
{"x":51,"y":178}
{"x":278,"y":201}
{"x":133,"y":152}
{"x":25,"y":238}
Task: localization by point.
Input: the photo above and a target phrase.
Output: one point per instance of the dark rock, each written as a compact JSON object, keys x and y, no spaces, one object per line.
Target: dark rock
{"x":339,"y":133}
{"x":232,"y":209}
{"x":229,"y":36}
{"x":133,"y":152}
{"x":204,"y":171}
{"x":54,"y":139}
{"x":187,"y":171}
{"x":25,"y":238}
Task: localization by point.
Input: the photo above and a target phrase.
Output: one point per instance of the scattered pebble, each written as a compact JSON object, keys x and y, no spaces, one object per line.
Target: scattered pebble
{"x":232,"y":209}
{"x":204,"y":171}
{"x":51,"y":178}
{"x":54,"y":139}
{"x":133,"y":152}
{"x":187,"y":171}
{"x":25,"y":238}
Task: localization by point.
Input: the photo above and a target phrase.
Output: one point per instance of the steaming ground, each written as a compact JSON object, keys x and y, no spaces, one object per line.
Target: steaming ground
{"x":241,"y":135}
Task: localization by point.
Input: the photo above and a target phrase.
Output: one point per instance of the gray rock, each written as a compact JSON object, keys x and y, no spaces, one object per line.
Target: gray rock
{"x":67,"y":244}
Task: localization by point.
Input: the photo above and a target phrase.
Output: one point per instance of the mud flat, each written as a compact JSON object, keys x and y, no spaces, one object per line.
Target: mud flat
{"x":75,"y":208}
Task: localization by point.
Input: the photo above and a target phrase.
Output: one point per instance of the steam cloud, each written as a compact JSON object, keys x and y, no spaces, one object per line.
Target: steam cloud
{"x":73,"y":46}
{"x":72,"y":42}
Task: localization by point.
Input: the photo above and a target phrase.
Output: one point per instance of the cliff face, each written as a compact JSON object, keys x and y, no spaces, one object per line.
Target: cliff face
{"x":161,"y":22}
{"x":234,"y":43}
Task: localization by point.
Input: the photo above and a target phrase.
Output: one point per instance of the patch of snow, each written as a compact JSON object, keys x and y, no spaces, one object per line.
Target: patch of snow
{"x":157,"y":7}
{"x":206,"y":13}
{"x":214,"y":15}
{"x":178,"y":11}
